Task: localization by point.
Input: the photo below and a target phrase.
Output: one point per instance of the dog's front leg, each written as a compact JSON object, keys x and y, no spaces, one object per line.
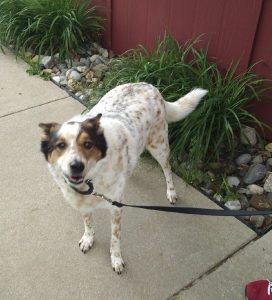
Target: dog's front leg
{"x":115,"y":251}
{"x":87,"y":239}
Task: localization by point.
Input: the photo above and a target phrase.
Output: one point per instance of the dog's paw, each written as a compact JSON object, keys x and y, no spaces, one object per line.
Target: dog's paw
{"x":86,"y":243}
{"x":172,"y":196}
{"x":117,"y":264}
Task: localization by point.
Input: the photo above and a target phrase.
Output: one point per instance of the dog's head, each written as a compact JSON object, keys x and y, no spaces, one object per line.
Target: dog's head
{"x":73,"y":148}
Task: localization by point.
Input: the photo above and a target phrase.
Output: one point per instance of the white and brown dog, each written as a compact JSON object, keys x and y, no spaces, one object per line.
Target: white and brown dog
{"x":104,"y":146}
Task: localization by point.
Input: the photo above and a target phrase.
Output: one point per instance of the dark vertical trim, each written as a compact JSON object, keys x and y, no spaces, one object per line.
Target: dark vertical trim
{"x":256,"y":33}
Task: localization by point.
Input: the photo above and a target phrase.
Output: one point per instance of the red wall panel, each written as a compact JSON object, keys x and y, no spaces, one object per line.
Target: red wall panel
{"x":262,"y":52}
{"x":229,"y":25}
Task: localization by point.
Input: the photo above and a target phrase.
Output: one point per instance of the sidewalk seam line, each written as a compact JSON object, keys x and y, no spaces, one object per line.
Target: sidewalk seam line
{"x":31,"y":107}
{"x":212,"y":269}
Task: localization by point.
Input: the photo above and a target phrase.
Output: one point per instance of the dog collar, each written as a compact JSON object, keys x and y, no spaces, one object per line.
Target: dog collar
{"x":86,"y":193}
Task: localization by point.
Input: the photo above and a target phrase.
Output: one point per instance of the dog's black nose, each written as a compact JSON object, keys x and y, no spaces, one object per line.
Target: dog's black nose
{"x":77,"y":167}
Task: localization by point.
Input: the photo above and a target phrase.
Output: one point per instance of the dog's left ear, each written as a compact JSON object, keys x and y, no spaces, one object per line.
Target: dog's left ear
{"x":48,"y":128}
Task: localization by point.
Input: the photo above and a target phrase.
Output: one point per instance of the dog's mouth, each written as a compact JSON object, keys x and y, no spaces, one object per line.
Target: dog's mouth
{"x":75,"y":179}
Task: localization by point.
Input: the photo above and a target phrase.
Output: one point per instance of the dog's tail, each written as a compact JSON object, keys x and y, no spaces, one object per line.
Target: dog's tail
{"x":176,"y":111}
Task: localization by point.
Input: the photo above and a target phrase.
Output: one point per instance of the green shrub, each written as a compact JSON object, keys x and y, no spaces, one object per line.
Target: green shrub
{"x":48,"y":27}
{"x":175,"y":69}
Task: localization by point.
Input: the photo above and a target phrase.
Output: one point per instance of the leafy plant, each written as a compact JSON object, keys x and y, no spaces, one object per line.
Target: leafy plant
{"x":175,"y":69}
{"x":48,"y":27}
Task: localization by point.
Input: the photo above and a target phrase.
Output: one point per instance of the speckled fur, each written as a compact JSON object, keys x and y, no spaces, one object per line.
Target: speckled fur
{"x":134,"y":117}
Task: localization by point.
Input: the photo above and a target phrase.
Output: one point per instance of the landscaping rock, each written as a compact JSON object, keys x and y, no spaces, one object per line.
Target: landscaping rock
{"x":243,"y":159}
{"x":248,"y":136}
{"x":233,"y":181}
{"x":62,"y":67}
{"x":104,"y":52}
{"x":255,"y":173}
{"x":268,"y":164}
{"x":257,"y":159}
{"x":48,"y":71}
{"x":63,"y":82}
{"x":267,"y":221}
{"x":255,"y":189}
{"x":242,"y":191}
{"x":268,"y":147}
{"x":85,"y":61}
{"x":99,"y":70}
{"x":260,"y":202}
{"x":244,"y":202}
{"x":89,"y":76}
{"x":83,"y":98}
{"x":233,"y":204}
{"x":268,"y":184}
{"x":58,"y":79}
{"x":37,"y":58}
{"x":78,"y":94}
{"x":257,"y":221}
{"x":48,"y":62}
{"x":75,"y":75}
{"x":82,"y":69}
{"x":95,"y":79}
{"x":94,"y":58}
{"x":72,"y":84}
{"x":218,"y":198}
{"x":28,"y":54}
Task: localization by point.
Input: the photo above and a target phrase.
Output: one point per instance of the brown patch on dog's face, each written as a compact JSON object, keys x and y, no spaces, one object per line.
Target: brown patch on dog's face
{"x":91,"y":141}
{"x":50,"y":140}
{"x":87,"y":148}
{"x":58,"y":149}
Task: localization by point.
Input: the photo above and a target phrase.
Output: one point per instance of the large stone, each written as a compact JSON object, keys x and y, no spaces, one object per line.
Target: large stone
{"x":269,"y":164}
{"x":268,"y":147}
{"x":233,"y":181}
{"x":260,"y":202}
{"x":48,"y":62}
{"x":82,"y":69}
{"x":255,"y":173}
{"x":257,"y":221}
{"x":37,"y":58}
{"x":257,"y":159}
{"x":99,"y":70}
{"x":255,"y":189}
{"x":268,"y":184}
{"x":243,"y":159}
{"x":75,"y":75}
{"x":248,"y":136}
{"x":85,"y":61}
{"x":233,"y":205}
{"x":244,"y":202}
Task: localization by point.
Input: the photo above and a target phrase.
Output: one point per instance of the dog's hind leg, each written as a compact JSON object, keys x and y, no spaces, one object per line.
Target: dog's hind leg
{"x":115,"y":251}
{"x":87,"y":239}
{"x":158,"y":146}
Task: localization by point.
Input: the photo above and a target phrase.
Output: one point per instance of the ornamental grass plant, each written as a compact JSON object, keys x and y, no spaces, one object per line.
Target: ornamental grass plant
{"x":48,"y":27}
{"x":175,"y":69}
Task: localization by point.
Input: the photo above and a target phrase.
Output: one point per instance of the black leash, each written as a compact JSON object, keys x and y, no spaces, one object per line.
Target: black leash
{"x":179,"y":210}
{"x":85,"y":193}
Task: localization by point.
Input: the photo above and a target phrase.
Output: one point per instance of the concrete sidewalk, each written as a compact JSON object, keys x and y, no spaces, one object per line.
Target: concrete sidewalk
{"x":167,"y":255}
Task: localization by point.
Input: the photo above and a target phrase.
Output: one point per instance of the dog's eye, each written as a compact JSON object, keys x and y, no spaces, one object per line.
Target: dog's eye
{"x":88,"y":145}
{"x":61,"y":145}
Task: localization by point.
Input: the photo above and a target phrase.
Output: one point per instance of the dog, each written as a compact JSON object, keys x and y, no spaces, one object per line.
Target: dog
{"x":104,"y":145}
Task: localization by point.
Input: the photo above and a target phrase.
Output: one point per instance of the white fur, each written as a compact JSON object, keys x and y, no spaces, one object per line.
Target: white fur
{"x":176,"y":111}
{"x":134,"y":117}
